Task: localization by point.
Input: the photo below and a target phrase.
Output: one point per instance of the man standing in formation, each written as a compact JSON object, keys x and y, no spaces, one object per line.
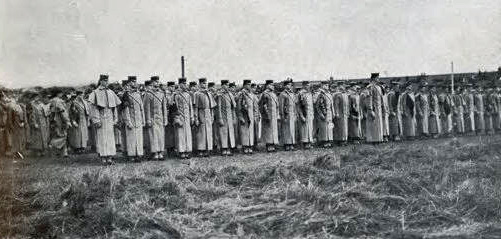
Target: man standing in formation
{"x":226,"y":104}
{"x":435,"y":127}
{"x":155,"y":108}
{"x":203,"y":109}
{"x":182,"y":109}
{"x":245,"y":116}
{"x":422,"y":112}
{"x":374,"y":111}
{"x":270,"y":115}
{"x":287,"y":109}
{"x":79,"y":114}
{"x":103,"y":117}
{"x":306,"y":115}
{"x":324,"y":115}
{"x":341,"y":114}
{"x":133,"y":120}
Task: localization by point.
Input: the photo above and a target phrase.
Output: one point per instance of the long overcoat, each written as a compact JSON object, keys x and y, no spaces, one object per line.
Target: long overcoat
{"x":324,"y":113}
{"x":435,"y":126}
{"x":59,"y":124}
{"x":79,"y":133}
{"x":407,"y":105}
{"x":204,"y":106}
{"x":355,"y":119}
{"x":479,"y":112}
{"x":422,"y":113}
{"x":446,"y":111}
{"x":394,"y":120}
{"x":170,"y":139}
{"x":226,"y":104}
{"x":134,"y":121}
{"x":245,"y":117}
{"x":155,"y":116}
{"x":306,"y":114}
{"x":270,"y":115}
{"x":104,"y":116}
{"x":39,"y":126}
{"x":287,"y":107}
{"x":374,"y":114}
{"x":469,"y":112}
{"x":183,"y":118}
{"x":341,"y":114}
{"x":458,"y":112}
{"x":489,"y":112}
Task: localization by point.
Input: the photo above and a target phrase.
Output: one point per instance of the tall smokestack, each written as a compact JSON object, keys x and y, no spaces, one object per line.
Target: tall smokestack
{"x":182,"y":66}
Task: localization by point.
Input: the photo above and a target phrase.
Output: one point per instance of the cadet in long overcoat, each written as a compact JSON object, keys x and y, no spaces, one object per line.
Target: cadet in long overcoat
{"x":183,"y":119}
{"x":340,"y":115}
{"x":204,"y":106}
{"x":39,"y":127}
{"x":422,"y":112}
{"x":245,"y":115}
{"x":497,"y":117}
{"x":479,"y":111}
{"x":324,"y":115}
{"x":355,"y":118}
{"x":435,"y":127}
{"x":170,"y":139}
{"x":133,"y":120}
{"x":407,"y":105}
{"x":257,"y":115}
{"x":226,"y":104}
{"x":394,"y":120}
{"x":306,"y":114}
{"x":374,"y":111}
{"x":386,"y":113}
{"x":287,"y":108}
{"x":458,"y":111}
{"x":4,"y":120}
{"x":469,"y":111}
{"x":490,"y":111}
{"x":446,"y":110}
{"x":155,"y":116}
{"x":59,"y":124}
{"x":103,"y":117}
{"x":79,"y":113}
{"x":268,"y":105}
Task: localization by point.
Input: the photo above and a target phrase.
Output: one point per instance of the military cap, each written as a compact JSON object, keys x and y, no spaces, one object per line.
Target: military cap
{"x":247,"y":82}
{"x":374,"y":75}
{"x":103,"y":77}
{"x":224,"y":82}
{"x":124,"y":82}
{"x":305,"y":82}
{"x":155,"y":78}
{"x":170,"y":83}
{"x":288,"y":81}
{"x":148,"y":82}
{"x":232,"y":84}
{"x":202,"y":80}
{"x":253,"y":85}
{"x":181,"y":80}
{"x":267,"y":82}
{"x":132,"y":78}
{"x":211,"y":84}
{"x":192,"y":83}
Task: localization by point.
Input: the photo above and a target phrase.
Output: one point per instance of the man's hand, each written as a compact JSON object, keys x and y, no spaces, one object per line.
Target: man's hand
{"x":129,"y":125}
{"x":36,"y":126}
{"x":242,"y":120}
{"x":98,"y":125}
{"x":148,"y":124}
{"x":75,"y":124}
{"x":221,"y":123}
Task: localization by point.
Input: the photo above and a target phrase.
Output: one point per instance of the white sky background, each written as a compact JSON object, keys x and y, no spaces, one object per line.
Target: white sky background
{"x":69,"y":42}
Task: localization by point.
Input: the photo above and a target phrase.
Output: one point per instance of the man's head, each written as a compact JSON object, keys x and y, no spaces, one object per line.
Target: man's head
{"x":374,"y":77}
{"x":155,"y":81}
{"x":170,"y":85}
{"x":182,"y":83}
{"x":247,"y":84}
{"x":288,"y":84}
{"x":224,"y":84}
{"x":202,"y":83}
{"x":211,"y":85}
{"x":306,"y":85}
{"x":269,"y":85}
{"x":103,"y":80}
{"x":132,"y":82}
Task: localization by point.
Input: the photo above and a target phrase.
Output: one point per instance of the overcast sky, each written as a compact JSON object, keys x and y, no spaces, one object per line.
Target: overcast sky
{"x":70,"y":42}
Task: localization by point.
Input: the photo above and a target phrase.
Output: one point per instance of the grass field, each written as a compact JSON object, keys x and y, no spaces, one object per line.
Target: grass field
{"x":441,"y":188}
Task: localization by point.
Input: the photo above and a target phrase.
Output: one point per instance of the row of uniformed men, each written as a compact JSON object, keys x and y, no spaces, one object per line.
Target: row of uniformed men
{"x":177,"y":118}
